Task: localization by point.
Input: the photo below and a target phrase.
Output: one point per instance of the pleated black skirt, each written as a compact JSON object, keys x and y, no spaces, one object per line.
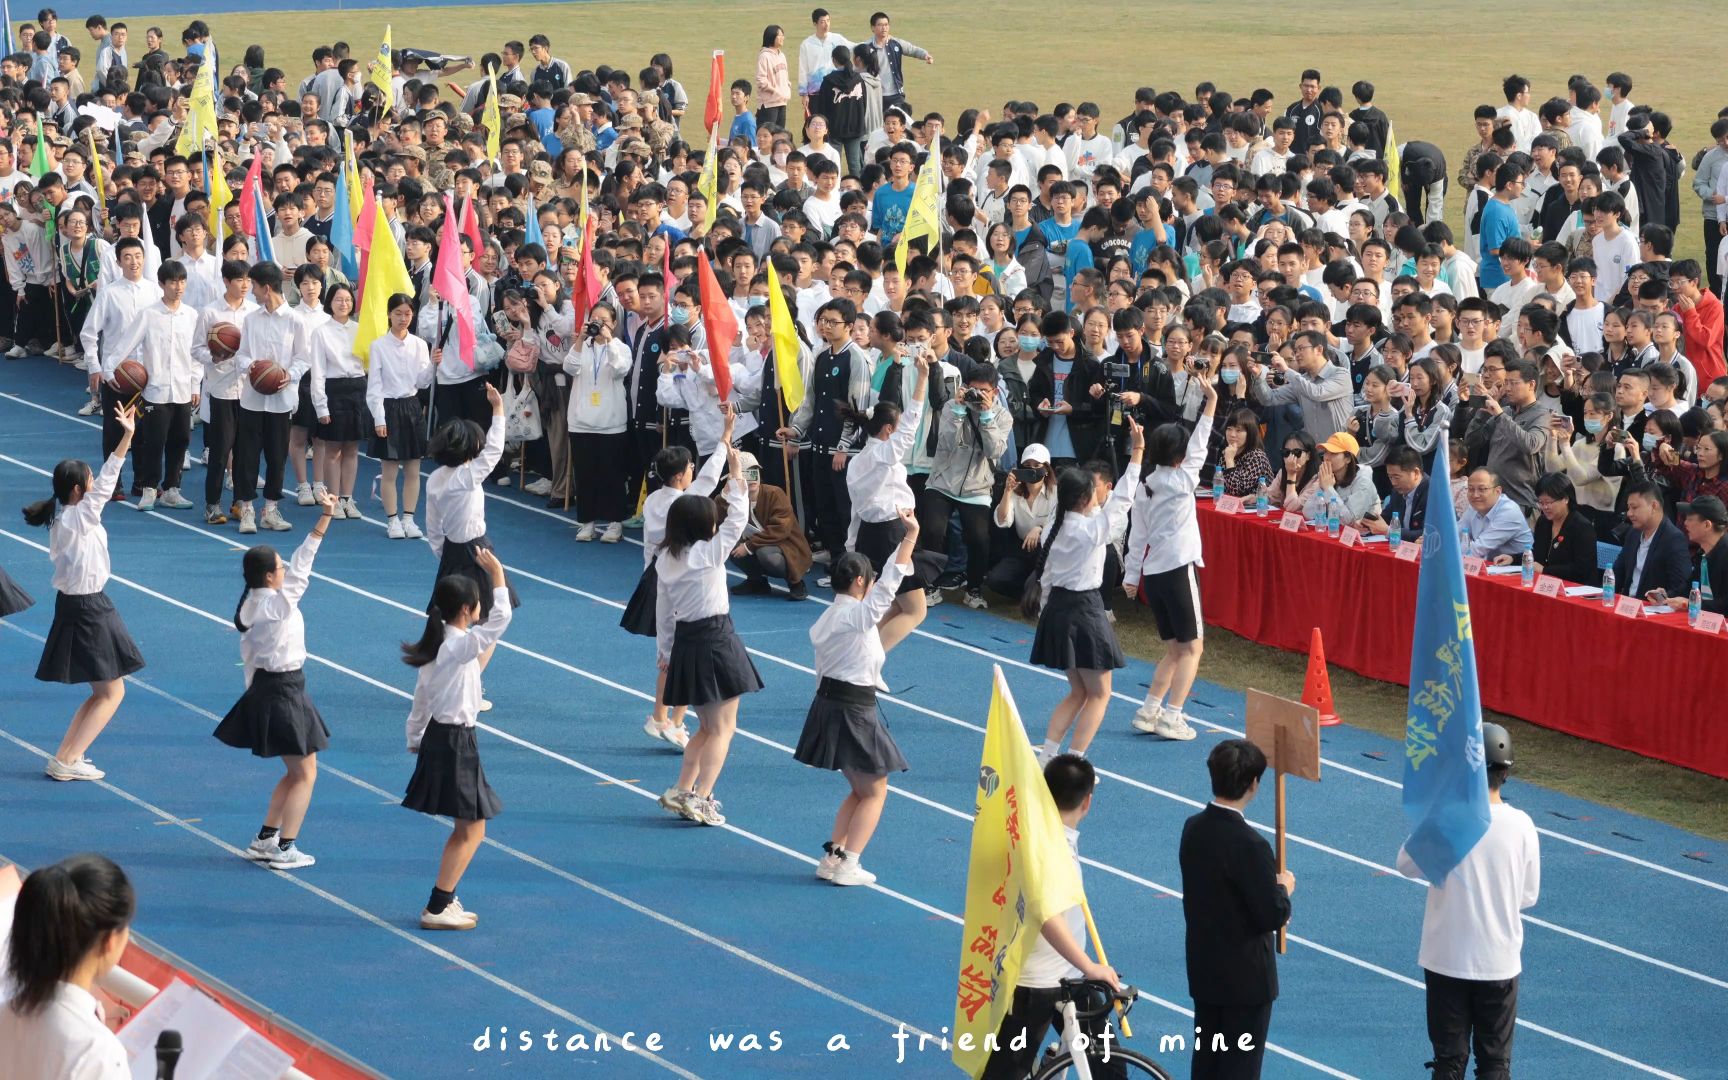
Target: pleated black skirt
{"x":844,"y":731}
{"x":305,"y":416}
{"x":642,"y":610}
{"x":275,"y":718}
{"x":448,"y":778}
{"x":879,"y":540}
{"x":13,"y":598}
{"x":458,"y":558}
{"x":88,"y":642}
{"x":1073,"y":632}
{"x":405,"y":421}
{"x":350,"y":419}
{"x":708,"y":664}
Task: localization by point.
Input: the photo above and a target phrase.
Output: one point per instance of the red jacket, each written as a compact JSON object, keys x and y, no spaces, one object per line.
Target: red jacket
{"x":1701,"y":328}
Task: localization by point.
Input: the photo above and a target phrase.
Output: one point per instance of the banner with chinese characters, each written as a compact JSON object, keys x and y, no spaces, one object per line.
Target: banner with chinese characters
{"x":1021,"y":873}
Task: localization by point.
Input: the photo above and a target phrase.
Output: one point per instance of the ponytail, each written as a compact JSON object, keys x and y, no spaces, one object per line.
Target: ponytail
{"x":1073,"y":486}
{"x":69,"y":476}
{"x":885,"y":414}
{"x":257,"y":565}
{"x":63,"y":913}
{"x":450,"y":597}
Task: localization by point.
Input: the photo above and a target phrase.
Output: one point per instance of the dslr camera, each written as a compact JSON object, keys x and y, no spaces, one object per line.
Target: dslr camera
{"x":972,"y":396}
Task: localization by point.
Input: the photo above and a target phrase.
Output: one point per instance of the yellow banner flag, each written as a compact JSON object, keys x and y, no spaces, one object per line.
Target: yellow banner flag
{"x":1020,"y":875}
{"x":785,"y":338}
{"x":924,"y":216}
{"x":708,"y":183}
{"x":493,"y":123}
{"x":201,"y":112}
{"x":386,"y":275}
{"x":352,"y":170}
{"x":220,"y":196}
{"x":379,"y":69}
{"x":1393,"y":183}
{"x":96,"y":166}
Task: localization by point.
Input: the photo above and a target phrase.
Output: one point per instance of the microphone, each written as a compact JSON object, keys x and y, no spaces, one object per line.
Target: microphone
{"x":167,"y":1054}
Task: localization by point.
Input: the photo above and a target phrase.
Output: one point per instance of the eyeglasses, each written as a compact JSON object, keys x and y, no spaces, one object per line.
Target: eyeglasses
{"x":1295,"y":451}
{"x":830,"y":322}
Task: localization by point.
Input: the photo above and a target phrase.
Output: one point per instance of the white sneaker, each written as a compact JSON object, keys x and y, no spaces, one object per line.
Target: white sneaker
{"x":678,"y":735}
{"x":706,"y":811}
{"x":1147,"y":719}
{"x":451,"y":918}
{"x":975,"y":600}
{"x":79,"y":770}
{"x":147,"y":501}
{"x":318,"y":493}
{"x":932,"y":597}
{"x":273,"y":519}
{"x":17,"y":352}
{"x":852,"y":872}
{"x":188,"y":462}
{"x":394,"y":529}
{"x":825,"y":581}
{"x":173,"y":500}
{"x":504,"y":481}
{"x":291,"y":859}
{"x":541,"y":486}
{"x":456,"y":903}
{"x":485,"y":705}
{"x":303,"y":495}
{"x":653,"y":730}
{"x":248,"y":520}
{"x":614,"y":533}
{"x":1173,"y":725}
{"x":584,"y":532}
{"x":410,"y":531}
{"x":349,"y":509}
{"x":89,"y":408}
{"x":262,"y":850}
{"x":826,"y":867}
{"x":677,"y":801}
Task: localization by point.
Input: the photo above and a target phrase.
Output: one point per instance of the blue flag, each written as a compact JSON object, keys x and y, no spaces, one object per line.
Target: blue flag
{"x":531,"y":228}
{"x":342,"y":231}
{"x":1445,"y":773}
{"x":6,"y":12}
{"x":262,"y":223}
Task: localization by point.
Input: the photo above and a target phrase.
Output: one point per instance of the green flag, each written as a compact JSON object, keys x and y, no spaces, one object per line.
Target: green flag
{"x":39,"y":165}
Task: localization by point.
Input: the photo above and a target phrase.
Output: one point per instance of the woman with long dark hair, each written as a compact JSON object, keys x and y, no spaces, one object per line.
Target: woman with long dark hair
{"x":877,"y":482}
{"x":275,"y":717}
{"x":88,"y":642}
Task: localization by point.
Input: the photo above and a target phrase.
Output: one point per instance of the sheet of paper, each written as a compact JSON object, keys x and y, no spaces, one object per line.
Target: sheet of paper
{"x":1503,"y":571}
{"x":1370,"y":538}
{"x":217,"y":1044}
{"x":1583,"y":590}
{"x":1651,"y":610}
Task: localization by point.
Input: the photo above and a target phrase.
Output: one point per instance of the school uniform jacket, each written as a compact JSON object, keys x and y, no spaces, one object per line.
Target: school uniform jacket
{"x":1232,"y":903}
{"x":1091,"y":415}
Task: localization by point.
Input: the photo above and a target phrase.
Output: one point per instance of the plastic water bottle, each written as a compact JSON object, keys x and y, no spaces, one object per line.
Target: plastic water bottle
{"x":1332,"y":523}
{"x":1217,"y":485}
{"x":1261,"y":506}
{"x":1394,"y":532}
{"x":1608,"y":587}
{"x":1694,"y":605}
{"x":1528,"y":575}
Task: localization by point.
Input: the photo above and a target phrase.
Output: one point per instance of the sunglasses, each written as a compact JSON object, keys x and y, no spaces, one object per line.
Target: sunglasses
{"x":1295,"y":451}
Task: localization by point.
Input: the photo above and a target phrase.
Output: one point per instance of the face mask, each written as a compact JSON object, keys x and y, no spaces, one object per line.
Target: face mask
{"x":1229,"y":375}
{"x":680,"y":316}
{"x":1592,"y":427}
{"x":1650,"y":442}
{"x":756,"y":301}
{"x":1030,"y":343}
{"x":780,"y":160}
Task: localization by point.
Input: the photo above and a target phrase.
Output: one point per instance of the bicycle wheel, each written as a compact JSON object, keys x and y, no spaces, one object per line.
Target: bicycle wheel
{"x":1136,"y":1064}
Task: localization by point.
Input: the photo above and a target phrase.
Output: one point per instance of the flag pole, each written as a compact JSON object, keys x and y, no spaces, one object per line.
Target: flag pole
{"x":1098,"y":947}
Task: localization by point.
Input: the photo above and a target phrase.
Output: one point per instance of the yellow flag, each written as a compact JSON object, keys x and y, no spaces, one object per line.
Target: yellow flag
{"x":201,"y":112}
{"x":386,"y":275}
{"x":220,"y":196}
{"x":378,"y":71}
{"x":923,"y":217}
{"x":785,"y":335}
{"x":709,"y":182}
{"x":493,"y":123}
{"x":96,"y":166}
{"x":1021,"y":873}
{"x":1393,"y":183}
{"x":352,"y":170}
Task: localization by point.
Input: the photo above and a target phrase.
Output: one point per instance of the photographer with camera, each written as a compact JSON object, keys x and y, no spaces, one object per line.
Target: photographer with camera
{"x":1319,"y":386}
{"x":1028,"y":503}
{"x":1071,"y":393}
{"x":597,"y":419}
{"x":972,"y":435}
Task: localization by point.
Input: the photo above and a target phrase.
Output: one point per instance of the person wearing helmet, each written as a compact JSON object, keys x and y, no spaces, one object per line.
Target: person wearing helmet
{"x":1473,"y":936}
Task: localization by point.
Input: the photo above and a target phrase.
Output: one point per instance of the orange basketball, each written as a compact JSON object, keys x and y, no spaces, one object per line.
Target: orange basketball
{"x":267,"y":377}
{"x":223,"y":340}
{"x":130,"y":377}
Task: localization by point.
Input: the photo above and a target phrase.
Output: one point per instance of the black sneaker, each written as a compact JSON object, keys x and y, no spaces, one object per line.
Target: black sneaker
{"x":752,"y":587}
{"x":951,"y":579}
{"x":797,"y":591}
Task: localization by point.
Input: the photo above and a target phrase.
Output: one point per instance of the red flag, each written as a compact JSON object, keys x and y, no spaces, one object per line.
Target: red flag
{"x":712,"y":112}
{"x":587,"y":291}
{"x":672,"y":283}
{"x":249,"y":193}
{"x":719,"y":323}
{"x":450,"y":282}
{"x":471,"y":226}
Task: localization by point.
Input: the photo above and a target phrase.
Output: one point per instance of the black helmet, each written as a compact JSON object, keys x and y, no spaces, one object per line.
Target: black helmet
{"x":1497,"y":746}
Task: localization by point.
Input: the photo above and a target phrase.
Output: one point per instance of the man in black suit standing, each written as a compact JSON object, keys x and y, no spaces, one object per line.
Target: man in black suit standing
{"x":1233,"y":899}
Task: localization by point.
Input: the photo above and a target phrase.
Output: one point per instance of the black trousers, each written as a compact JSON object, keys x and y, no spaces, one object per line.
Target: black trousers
{"x":164,"y":433}
{"x":260,"y":433}
{"x":1712,"y":242}
{"x":36,"y":315}
{"x":832,"y":502}
{"x":599,"y":464}
{"x":72,"y":314}
{"x":765,"y":562}
{"x":1030,"y":1015}
{"x":775,"y":115}
{"x":1232,"y":1022}
{"x":111,"y":430}
{"x":219,"y":442}
{"x":934,"y":511}
{"x":1466,"y":1015}
{"x":639,"y":478}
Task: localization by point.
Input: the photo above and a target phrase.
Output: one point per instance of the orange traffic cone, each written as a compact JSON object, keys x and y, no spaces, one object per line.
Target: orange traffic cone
{"x":1317,"y":688}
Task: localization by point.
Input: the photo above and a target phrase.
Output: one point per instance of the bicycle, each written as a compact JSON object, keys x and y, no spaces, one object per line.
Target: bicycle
{"x":1085,"y":1005}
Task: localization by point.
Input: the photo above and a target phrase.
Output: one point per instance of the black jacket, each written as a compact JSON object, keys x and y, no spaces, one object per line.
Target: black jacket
{"x":840,"y":99}
{"x":1086,"y":424}
{"x":1553,"y":214}
{"x":1668,"y":564}
{"x":1715,"y":565}
{"x":1232,"y":903}
{"x":1571,"y":556}
{"x":1412,"y":511}
{"x":1650,"y":167}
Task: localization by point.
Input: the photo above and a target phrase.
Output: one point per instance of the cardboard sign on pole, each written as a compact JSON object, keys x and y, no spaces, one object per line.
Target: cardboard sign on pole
{"x":1288,"y":732}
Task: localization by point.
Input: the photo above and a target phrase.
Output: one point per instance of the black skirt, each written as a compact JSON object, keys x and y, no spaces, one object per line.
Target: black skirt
{"x":88,"y":642}
{"x":458,"y":558}
{"x":305,"y":416}
{"x":708,"y":664}
{"x":448,"y":778}
{"x":641,"y":613}
{"x":844,"y":730}
{"x":275,"y":718}
{"x":1074,"y":633}
{"x":350,"y":419}
{"x":405,"y":420}
{"x":13,"y":599}
{"x":878,"y":541}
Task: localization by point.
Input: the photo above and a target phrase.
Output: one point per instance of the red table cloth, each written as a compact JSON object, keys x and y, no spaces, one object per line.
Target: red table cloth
{"x":1647,"y":685}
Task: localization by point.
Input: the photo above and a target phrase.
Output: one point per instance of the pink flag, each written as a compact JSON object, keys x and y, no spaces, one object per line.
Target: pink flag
{"x":471,"y":226}
{"x":249,"y":191}
{"x":450,"y":282}
{"x":363,"y":231}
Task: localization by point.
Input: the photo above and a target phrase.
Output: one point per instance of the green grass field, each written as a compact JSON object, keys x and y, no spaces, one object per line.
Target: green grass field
{"x":1432,"y":63}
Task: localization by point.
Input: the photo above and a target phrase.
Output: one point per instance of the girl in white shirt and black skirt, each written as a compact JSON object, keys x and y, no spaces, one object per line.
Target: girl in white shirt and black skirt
{"x":876,"y":481}
{"x":448,"y":779}
{"x":706,"y":665}
{"x":401,"y":366}
{"x":13,"y":598}
{"x":88,"y":642}
{"x":456,"y":501}
{"x":339,"y":399}
{"x":1074,"y":634}
{"x":275,"y":717}
{"x":843,"y":729}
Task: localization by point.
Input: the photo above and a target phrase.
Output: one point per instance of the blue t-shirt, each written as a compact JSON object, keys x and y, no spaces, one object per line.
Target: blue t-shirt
{"x":1499,"y":224}
{"x":1140,"y":251}
{"x":1079,"y":258}
{"x":1056,"y":437}
{"x":888,"y":210}
{"x":605,"y":137}
{"x":1055,"y":235}
{"x":743,"y":124}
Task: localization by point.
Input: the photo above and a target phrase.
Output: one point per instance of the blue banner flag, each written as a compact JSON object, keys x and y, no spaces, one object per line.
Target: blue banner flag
{"x":266,"y":252}
{"x":531,"y":233}
{"x":342,"y":231}
{"x":1445,"y":775}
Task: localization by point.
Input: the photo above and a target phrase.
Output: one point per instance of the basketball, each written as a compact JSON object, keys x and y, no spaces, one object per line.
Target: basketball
{"x":223,"y":340}
{"x":267,"y":377}
{"x":130,"y":377}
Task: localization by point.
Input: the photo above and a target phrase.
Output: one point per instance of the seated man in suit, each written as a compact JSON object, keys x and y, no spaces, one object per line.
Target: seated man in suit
{"x":1655,"y":555}
{"x":774,"y":545}
{"x":1409,"y":498}
{"x":1233,"y":899}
